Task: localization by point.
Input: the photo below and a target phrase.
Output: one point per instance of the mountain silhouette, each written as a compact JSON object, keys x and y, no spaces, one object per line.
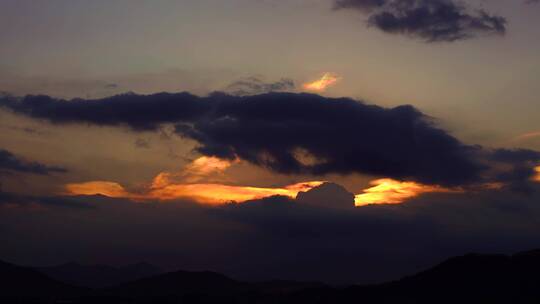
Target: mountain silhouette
{"x":472,"y":278}
{"x":99,"y":276}
{"x":284,"y":286}
{"x":22,"y":282}
{"x":181,"y":283}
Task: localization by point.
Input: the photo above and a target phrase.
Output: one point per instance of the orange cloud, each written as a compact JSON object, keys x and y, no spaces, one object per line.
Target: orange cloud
{"x":320,"y":85}
{"x":215,"y":194}
{"x":536,"y":178}
{"x":205,"y":166}
{"x":200,"y":169}
{"x":187,"y":185}
{"x":164,"y":188}
{"x":389,"y":191}
{"x":109,"y":189}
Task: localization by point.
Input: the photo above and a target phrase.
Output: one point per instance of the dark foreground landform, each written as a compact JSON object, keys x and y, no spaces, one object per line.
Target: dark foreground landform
{"x":472,"y":278}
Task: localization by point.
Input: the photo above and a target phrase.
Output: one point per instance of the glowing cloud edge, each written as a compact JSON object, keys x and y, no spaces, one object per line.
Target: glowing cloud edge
{"x":320,"y":85}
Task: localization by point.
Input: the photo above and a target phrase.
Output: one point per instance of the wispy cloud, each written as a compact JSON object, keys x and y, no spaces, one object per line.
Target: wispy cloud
{"x":11,"y":162}
{"x":527,"y":136}
{"x":254,"y":85}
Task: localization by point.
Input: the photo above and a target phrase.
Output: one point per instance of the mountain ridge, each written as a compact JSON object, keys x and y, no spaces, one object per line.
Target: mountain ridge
{"x":471,"y":278}
{"x":98,"y":275}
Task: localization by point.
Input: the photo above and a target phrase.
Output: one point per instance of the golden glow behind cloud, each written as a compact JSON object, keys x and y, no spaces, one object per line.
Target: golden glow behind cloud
{"x":320,"y":85}
{"x":186,"y":185}
{"x":212,"y":194}
{"x":216,"y":194}
{"x":190,"y":184}
{"x":390,"y":191}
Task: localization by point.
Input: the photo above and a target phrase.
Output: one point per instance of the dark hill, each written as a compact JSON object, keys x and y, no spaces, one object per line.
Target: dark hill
{"x":180,"y":283}
{"x":472,"y":278}
{"x":21,"y":282}
{"x":99,"y":276}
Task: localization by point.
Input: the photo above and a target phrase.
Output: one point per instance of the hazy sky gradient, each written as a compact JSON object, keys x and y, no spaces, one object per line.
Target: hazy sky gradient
{"x":480,"y":91}
{"x":80,"y":48}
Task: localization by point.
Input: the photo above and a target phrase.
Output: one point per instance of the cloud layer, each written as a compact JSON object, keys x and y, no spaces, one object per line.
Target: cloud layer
{"x":300,"y":134}
{"x":428,"y":20}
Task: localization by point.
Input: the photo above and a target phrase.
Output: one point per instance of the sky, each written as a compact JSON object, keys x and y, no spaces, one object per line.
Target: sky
{"x":335,"y":140}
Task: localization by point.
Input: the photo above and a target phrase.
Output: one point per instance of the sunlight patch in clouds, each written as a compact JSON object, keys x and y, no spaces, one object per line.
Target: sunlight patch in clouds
{"x":189,"y":185}
{"x":320,"y":85}
{"x":208,"y":194}
{"x":390,"y":191}
{"x":216,"y":194}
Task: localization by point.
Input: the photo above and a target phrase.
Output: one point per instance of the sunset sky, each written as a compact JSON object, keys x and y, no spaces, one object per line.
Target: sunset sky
{"x":333,"y":140}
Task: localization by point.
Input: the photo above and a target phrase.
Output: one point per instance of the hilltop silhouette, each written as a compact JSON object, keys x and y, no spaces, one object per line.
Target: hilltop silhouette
{"x":473,"y":278}
{"x":27,"y":283}
{"x":99,"y":276}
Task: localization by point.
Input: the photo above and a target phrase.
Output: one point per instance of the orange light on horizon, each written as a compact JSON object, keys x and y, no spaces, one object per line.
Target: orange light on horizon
{"x":320,"y":85}
{"x":216,"y":194}
{"x":390,"y":191}
{"x":211,"y":194}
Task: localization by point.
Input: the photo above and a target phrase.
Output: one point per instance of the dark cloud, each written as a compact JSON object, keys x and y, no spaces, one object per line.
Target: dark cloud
{"x":364,"y":5}
{"x":428,"y":20}
{"x":328,"y":195}
{"x":138,"y":111}
{"x":254,"y":85}
{"x":342,"y":136}
{"x":296,"y":133}
{"x":11,"y":162}
{"x":521,"y":162}
{"x":516,"y":155}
